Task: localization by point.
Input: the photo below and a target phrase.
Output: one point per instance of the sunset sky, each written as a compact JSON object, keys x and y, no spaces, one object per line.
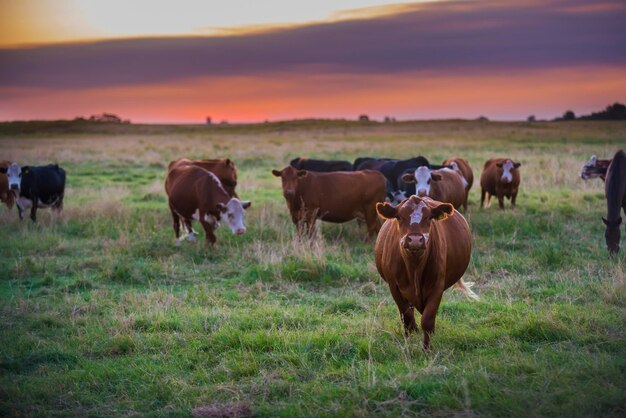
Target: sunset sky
{"x":245,"y":61}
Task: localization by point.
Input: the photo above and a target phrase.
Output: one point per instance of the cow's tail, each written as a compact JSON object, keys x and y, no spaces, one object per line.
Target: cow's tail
{"x":465,"y":288}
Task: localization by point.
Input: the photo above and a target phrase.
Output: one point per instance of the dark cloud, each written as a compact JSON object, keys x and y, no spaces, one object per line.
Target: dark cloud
{"x":452,"y":36}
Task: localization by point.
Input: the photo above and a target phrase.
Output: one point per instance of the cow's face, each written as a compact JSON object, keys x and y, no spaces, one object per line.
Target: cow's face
{"x":396,"y":196}
{"x":594,"y":168}
{"x":14,"y":176}
{"x":414,"y":219}
{"x":231,"y":214}
{"x":507,"y":170}
{"x":612,"y":234}
{"x":290,"y":176}
{"x":422,"y":177}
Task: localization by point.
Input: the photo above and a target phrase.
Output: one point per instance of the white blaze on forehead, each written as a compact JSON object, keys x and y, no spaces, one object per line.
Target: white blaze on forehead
{"x":507,"y":176}
{"x":422,"y":179}
{"x":417,"y":214}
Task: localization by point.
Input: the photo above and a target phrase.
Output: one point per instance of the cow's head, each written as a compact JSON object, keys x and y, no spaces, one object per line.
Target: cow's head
{"x":414,"y":218}
{"x":507,"y":168}
{"x":229,"y":180}
{"x":290,"y":176}
{"x":395,"y":197}
{"x":422,"y":178}
{"x":14,"y":176}
{"x":231,"y":214}
{"x":612,"y":234}
{"x":594,"y":168}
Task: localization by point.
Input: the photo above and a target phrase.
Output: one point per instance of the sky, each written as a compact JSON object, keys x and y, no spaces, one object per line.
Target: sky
{"x":247,"y":61}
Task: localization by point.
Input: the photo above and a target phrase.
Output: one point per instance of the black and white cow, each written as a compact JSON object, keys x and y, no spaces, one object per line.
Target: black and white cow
{"x":36,"y":187}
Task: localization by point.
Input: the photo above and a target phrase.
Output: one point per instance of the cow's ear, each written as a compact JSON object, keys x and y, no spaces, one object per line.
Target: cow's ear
{"x":221,"y":208}
{"x":409,"y":178}
{"x":3,"y":170}
{"x":516,"y":165}
{"x":229,"y":162}
{"x":302,"y":173}
{"x":435,"y":176}
{"x":277,"y":173}
{"x":246,"y":204}
{"x":386,"y":210}
{"x":442,"y":212}
{"x":499,"y":165}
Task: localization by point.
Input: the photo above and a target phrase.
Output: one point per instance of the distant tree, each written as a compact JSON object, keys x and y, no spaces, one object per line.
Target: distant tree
{"x":364,"y":118}
{"x":208,"y":120}
{"x":531,"y":118}
{"x":569,"y":115}
{"x":616,"y":111}
{"x":482,"y":119}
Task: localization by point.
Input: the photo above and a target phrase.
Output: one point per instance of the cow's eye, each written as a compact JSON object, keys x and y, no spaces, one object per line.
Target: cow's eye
{"x":428,"y":181}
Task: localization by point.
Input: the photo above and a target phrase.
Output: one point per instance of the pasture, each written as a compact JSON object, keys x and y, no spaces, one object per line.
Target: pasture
{"x":102,"y":315}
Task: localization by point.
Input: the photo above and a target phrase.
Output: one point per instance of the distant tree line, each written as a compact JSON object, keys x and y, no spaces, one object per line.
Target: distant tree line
{"x":616,"y":111}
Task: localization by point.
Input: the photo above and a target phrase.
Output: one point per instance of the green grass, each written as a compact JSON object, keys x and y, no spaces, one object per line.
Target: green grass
{"x":103,"y":316}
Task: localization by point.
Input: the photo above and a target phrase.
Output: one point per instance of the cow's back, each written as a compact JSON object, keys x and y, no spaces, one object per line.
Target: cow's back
{"x":223,"y":168}
{"x":191,"y":187}
{"x":450,"y":189}
{"x":465,"y":168}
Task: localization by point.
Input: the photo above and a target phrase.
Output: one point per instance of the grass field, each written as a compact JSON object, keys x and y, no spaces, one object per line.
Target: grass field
{"x":103,"y":316}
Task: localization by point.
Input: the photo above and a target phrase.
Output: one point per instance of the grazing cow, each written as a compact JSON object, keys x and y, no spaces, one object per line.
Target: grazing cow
{"x":594,"y":168}
{"x":6,"y":195}
{"x":333,"y":197}
{"x":462,"y":167}
{"x":36,"y":187}
{"x":320,"y":165}
{"x":422,"y":249}
{"x":223,"y":168}
{"x":615,"y":191}
{"x":443,"y":185}
{"x":500,"y":178}
{"x":196,"y":193}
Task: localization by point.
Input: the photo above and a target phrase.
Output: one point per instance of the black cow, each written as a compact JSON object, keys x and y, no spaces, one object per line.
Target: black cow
{"x":320,"y":165}
{"x":615,"y":191}
{"x":36,"y":187}
{"x":394,"y":169}
{"x":369,"y":163}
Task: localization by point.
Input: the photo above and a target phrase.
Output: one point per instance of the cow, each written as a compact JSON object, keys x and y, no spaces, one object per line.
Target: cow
{"x":6,"y":196}
{"x":36,"y":187}
{"x":369,"y":163}
{"x":594,"y":168}
{"x":196,"y":193}
{"x":445,"y":185}
{"x":223,"y":168}
{"x":500,"y":178}
{"x":324,"y":166}
{"x":422,"y":249}
{"x":462,"y":167}
{"x":615,"y":191}
{"x":333,"y":197}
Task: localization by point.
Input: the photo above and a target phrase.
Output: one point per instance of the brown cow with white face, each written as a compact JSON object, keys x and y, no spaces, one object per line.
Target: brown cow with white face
{"x":196,"y":193}
{"x":594,"y":168}
{"x":338,"y":196}
{"x":464,"y":169}
{"x":6,"y":195}
{"x":444,"y":185}
{"x":422,"y":249}
{"x":223,"y":168}
{"x":500,"y":178}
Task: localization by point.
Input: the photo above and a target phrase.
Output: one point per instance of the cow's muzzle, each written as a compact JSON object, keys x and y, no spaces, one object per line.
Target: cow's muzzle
{"x":290,"y":192}
{"x":414,"y":242}
{"x":421,"y":193}
{"x":240,"y":231}
{"x":15,"y":187}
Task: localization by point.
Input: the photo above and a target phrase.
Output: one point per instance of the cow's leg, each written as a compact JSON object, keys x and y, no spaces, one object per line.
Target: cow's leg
{"x":407,"y":313}
{"x":501,"y":201}
{"x":20,"y":212}
{"x":57,"y":208}
{"x":208,"y":230}
{"x":513,"y":197}
{"x":482,"y":197}
{"x":176,"y":226}
{"x":429,"y":315}
{"x":371,"y":220}
{"x":465,"y":201}
{"x":33,"y":210}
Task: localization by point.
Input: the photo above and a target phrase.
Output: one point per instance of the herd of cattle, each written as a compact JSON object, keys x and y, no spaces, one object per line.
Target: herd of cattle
{"x":423,"y":246}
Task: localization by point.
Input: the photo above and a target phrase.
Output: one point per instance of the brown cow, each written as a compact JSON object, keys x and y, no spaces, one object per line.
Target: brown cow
{"x":615,"y":191}
{"x":338,"y":196}
{"x":196,"y":193}
{"x":462,"y":167}
{"x":6,"y":195}
{"x":422,"y":249}
{"x":444,"y":185}
{"x":500,"y":178}
{"x":223,"y":168}
{"x":594,"y":168}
